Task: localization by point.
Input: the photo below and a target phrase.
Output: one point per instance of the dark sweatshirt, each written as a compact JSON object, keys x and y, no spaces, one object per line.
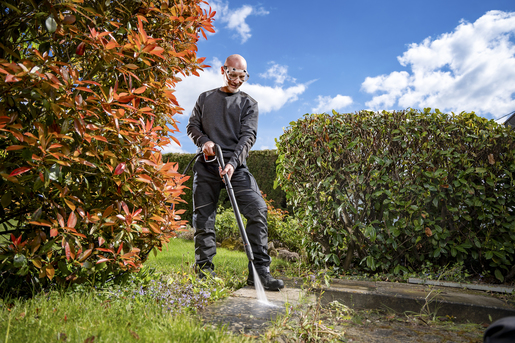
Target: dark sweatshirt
{"x":227,"y":119}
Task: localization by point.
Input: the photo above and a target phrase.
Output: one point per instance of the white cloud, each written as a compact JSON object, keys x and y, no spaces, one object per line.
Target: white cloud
{"x":273,"y":98}
{"x":469,"y":69}
{"x":235,"y":19}
{"x":277,"y":72}
{"x":327,"y":104}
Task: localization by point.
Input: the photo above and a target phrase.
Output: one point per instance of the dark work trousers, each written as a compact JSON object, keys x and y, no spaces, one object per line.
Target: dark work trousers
{"x":207,"y":184}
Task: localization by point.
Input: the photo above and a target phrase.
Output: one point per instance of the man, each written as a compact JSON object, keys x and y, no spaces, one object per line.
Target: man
{"x":228,"y":117}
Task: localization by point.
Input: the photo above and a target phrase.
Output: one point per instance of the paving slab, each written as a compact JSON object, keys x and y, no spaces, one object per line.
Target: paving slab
{"x":462,"y":305}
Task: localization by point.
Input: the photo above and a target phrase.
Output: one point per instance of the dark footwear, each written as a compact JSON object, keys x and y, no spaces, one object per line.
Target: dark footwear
{"x":206,"y":272}
{"x":268,"y":281}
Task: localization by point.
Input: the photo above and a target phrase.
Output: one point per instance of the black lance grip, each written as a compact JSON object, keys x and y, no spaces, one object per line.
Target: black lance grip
{"x":232,"y":198}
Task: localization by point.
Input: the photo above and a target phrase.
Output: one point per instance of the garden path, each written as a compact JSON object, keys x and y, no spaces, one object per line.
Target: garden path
{"x":379,"y":314}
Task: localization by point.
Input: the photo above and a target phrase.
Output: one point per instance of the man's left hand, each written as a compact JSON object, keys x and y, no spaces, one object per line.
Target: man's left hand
{"x":229,"y":170}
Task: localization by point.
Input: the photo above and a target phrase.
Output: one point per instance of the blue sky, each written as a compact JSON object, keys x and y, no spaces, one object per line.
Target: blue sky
{"x":316,"y":56}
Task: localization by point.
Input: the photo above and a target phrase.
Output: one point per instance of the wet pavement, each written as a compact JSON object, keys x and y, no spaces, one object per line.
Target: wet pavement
{"x":460,"y":304}
{"x":379,"y":311}
{"x":243,"y":313}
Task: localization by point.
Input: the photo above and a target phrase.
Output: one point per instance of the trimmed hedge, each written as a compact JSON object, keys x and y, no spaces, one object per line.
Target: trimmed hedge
{"x":392,"y":191}
{"x":261,"y":164}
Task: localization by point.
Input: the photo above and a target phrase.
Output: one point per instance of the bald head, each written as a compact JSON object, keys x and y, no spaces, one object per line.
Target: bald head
{"x":236,"y":61}
{"x":236,"y":64}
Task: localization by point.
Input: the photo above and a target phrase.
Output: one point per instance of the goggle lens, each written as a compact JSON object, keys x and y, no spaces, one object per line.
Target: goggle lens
{"x":234,"y":74}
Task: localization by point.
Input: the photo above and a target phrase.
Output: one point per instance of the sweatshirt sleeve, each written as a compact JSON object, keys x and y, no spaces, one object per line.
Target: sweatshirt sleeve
{"x":194,"y":127}
{"x":248,"y":132}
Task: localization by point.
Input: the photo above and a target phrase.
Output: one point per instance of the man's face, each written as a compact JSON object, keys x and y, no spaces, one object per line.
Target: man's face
{"x":233,"y":78}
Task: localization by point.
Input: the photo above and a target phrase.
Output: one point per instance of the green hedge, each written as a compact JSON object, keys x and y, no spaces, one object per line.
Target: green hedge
{"x":392,"y":191}
{"x":261,"y":164}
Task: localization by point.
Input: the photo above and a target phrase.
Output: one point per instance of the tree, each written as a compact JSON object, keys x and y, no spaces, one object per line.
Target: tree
{"x":86,"y":100}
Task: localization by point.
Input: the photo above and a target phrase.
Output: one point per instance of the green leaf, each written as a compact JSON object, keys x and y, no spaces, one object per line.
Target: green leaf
{"x":6,"y":199}
{"x":397,"y":269}
{"x":371,"y":262}
{"x":499,"y":275}
{"x":467,"y":244}
{"x":460,"y":248}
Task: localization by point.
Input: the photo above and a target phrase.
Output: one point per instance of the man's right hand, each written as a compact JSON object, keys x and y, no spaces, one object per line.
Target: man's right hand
{"x":209,"y":148}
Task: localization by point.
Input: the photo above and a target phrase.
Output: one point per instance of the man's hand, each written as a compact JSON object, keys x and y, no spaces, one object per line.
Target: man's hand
{"x":209,"y":148}
{"x":229,"y":170}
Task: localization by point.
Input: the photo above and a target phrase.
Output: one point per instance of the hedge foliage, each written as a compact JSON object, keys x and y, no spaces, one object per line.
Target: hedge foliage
{"x":86,"y":102}
{"x":261,"y":164}
{"x":391,"y":191}
{"x":282,"y":228}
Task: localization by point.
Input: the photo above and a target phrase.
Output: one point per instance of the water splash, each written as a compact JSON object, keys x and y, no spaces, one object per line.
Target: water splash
{"x":260,"y":290}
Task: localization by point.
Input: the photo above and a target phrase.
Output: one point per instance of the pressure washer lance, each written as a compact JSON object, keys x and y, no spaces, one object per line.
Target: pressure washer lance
{"x":232,"y":198}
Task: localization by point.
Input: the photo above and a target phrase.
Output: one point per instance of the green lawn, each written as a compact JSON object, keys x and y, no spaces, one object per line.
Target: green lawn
{"x":129,"y":313}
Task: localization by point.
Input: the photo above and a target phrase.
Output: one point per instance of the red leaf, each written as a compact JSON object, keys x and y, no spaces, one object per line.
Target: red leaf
{"x":119,"y":249}
{"x":40,"y":223}
{"x":85,"y":255}
{"x":140,"y":90}
{"x":72,"y":220}
{"x":53,"y":232}
{"x":19,"y":171}
{"x":209,"y":28}
{"x":80,"y":49}
{"x":106,"y":250}
{"x":120,"y":169}
{"x":107,"y":212}
{"x":69,"y":19}
{"x":60,"y":219}
{"x":67,"y":251}
{"x":125,"y":99}
{"x":11,"y":78}
{"x":84,"y":89}
{"x":14,"y":147}
{"x":125,"y":208}
{"x":81,"y":211}
{"x":78,"y":127}
{"x":100,"y":138}
{"x":112,"y":44}
{"x":176,"y":140}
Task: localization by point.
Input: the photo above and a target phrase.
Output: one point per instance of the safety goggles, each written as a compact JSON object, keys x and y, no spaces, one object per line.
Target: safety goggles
{"x":234,"y":74}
